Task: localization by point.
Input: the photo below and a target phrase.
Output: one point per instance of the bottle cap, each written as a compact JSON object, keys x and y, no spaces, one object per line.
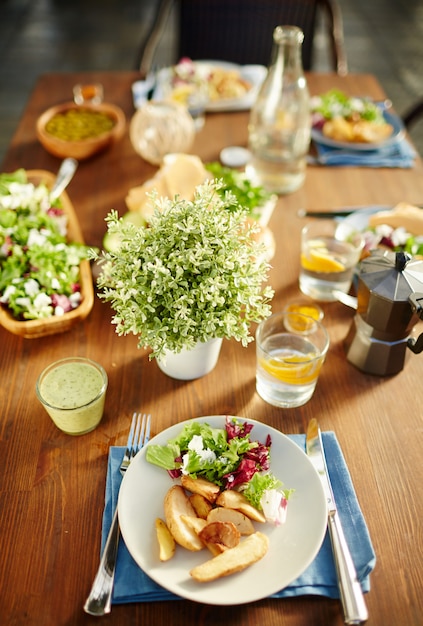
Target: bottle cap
{"x":235,"y":156}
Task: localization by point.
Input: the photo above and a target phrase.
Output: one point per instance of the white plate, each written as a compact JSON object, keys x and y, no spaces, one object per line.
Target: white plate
{"x":293,"y":546}
{"x":359,"y":220}
{"x":397,"y":134}
{"x":254,"y":74}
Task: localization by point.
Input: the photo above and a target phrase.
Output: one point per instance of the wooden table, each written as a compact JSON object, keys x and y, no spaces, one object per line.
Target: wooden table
{"x":52,"y":485}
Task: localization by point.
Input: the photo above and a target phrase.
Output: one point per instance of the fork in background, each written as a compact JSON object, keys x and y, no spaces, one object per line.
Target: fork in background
{"x":100,"y":598}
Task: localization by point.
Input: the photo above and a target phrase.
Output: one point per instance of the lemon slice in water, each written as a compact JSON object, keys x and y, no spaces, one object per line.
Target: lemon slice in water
{"x":321,"y":261}
{"x":294,"y":369}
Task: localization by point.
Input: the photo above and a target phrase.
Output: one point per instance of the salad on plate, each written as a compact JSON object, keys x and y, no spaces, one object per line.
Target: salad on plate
{"x":342,"y":118}
{"x":399,"y":229}
{"x":224,"y":485}
{"x":229,"y":458}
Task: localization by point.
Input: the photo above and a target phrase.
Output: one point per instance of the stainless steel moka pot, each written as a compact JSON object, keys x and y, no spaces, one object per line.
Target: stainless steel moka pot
{"x":389,"y":304}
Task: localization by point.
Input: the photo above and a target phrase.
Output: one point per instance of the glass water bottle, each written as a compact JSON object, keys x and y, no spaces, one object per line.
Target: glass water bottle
{"x":280,"y":121}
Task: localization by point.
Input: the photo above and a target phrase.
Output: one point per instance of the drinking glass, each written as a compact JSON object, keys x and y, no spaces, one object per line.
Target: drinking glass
{"x":88,"y":94}
{"x":73,"y":392}
{"x":291,"y":349}
{"x":327,"y":259}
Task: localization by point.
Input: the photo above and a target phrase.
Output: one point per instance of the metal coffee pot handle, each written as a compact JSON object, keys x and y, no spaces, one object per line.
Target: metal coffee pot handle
{"x":416,"y":301}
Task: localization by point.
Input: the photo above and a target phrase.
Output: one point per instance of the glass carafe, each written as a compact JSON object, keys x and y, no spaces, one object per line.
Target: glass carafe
{"x":280,"y":121}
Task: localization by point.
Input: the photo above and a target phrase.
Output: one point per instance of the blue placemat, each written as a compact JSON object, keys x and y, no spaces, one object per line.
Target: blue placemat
{"x":399,"y":154}
{"x":133,"y":585}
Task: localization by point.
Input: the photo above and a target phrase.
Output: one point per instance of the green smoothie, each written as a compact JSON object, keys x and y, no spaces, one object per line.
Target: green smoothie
{"x":73,"y":393}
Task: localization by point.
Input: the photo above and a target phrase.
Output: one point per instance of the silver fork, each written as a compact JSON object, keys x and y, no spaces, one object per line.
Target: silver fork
{"x":100,"y":598}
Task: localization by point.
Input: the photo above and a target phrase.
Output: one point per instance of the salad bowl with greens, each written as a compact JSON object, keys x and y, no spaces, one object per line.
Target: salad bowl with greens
{"x":45,"y":278}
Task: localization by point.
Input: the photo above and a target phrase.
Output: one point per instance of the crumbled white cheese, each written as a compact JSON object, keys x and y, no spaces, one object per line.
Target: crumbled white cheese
{"x":274,"y":505}
{"x":36,"y":238}
{"x":197,"y":445}
{"x":31,"y":287}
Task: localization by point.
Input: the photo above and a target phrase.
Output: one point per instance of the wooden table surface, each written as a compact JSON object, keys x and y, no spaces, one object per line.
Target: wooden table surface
{"x":52,"y":485}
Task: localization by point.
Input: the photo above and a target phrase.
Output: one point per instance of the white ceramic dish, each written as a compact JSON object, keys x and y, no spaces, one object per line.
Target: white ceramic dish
{"x":254,"y":74}
{"x":397,"y":134}
{"x":293,"y":546}
{"x":359,"y":220}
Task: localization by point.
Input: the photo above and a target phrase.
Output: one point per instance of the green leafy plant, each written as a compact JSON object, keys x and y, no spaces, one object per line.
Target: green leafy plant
{"x":195,"y":273}
{"x":247,"y":194}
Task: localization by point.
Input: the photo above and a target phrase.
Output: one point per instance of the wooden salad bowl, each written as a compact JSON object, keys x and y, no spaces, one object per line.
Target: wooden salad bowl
{"x":31,"y":329}
{"x":81,"y":149}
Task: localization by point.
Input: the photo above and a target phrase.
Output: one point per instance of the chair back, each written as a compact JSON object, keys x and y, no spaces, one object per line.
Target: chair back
{"x":240,"y":31}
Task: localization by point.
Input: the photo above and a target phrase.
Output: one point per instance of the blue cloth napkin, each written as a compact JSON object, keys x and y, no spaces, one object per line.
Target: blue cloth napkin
{"x":398,"y":154}
{"x":133,"y":585}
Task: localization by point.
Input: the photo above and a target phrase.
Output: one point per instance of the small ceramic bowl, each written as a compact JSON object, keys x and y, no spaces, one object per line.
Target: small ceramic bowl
{"x":72,"y":140}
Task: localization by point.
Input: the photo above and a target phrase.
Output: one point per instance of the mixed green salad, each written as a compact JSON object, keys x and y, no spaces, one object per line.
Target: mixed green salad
{"x":336,"y":103}
{"x":39,"y":268}
{"x":395,"y":239}
{"x":227,"y":457}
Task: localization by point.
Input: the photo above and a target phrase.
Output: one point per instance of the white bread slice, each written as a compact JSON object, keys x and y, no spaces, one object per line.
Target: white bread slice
{"x":139,"y":200}
{"x":182,"y":173}
{"x":179,"y":175}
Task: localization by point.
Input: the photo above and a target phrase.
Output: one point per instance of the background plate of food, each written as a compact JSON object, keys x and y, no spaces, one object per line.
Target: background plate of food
{"x":396,"y":228}
{"x":226,"y":86}
{"x":352,"y":123}
{"x":292,"y":545}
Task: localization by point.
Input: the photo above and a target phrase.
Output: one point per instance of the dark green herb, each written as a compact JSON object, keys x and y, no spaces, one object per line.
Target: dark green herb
{"x":234,"y":182}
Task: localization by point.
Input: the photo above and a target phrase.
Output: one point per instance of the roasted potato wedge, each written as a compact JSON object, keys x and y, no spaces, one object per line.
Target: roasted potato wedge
{"x":209,"y":490}
{"x":216,"y":548}
{"x":201,"y":505}
{"x":198,"y":524}
{"x":167,"y":545}
{"x":241,"y":521}
{"x":177,"y":504}
{"x":231,"y":499}
{"x":223,"y":533}
{"x":195,"y":523}
{"x":248,"y":551}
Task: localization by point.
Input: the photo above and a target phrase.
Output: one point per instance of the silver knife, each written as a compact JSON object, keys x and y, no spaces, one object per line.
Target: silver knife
{"x":341,"y":211}
{"x":354,"y":606}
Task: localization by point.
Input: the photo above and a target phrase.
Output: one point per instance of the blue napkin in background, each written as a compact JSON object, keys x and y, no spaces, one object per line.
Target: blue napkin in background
{"x":398,"y":154}
{"x":133,"y":585}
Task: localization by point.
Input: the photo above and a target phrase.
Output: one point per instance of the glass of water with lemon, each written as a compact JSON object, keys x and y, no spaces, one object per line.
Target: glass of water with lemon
{"x":291,"y":349}
{"x":327,"y":259}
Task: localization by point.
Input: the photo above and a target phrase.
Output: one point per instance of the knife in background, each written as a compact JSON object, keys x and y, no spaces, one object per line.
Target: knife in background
{"x":354,"y":606}
{"x":341,"y":212}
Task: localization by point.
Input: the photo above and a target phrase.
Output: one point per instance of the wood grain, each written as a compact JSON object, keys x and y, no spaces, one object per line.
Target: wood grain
{"x":52,"y":485}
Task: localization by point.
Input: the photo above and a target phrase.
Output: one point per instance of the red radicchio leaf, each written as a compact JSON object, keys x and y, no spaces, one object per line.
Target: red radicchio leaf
{"x":245,"y":471}
{"x":237,"y":430}
{"x":260,"y":455}
{"x":175,"y":473}
{"x":62,"y":301}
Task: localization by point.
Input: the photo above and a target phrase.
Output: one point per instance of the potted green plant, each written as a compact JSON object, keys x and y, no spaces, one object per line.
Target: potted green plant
{"x":195,"y":274}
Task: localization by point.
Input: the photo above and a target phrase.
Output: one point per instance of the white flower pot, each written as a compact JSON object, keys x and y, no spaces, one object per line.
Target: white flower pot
{"x":191,"y":364}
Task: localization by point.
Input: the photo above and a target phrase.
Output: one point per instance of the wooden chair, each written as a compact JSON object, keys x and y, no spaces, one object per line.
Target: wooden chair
{"x":240,"y":31}
{"x":413,"y":114}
